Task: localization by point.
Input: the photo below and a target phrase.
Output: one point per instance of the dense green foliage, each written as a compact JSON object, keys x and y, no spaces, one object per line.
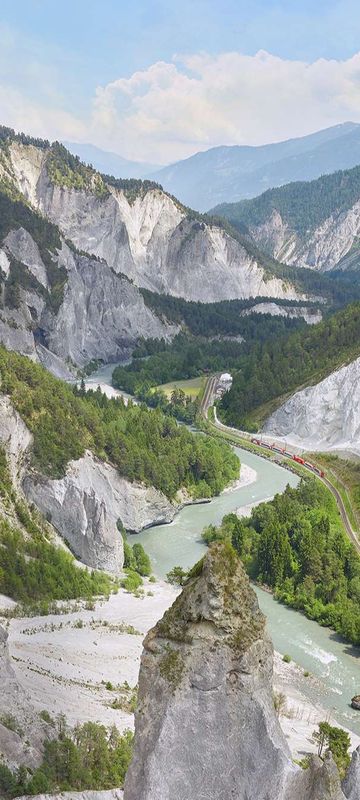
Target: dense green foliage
{"x":143,"y":445}
{"x":32,"y":569}
{"x":272,"y":369}
{"x":296,"y":545}
{"x":335,"y":740}
{"x":132,"y":187}
{"x":222,"y":318}
{"x":65,"y":169}
{"x":9,"y":135}
{"x":302,"y":205}
{"x":135,"y":557}
{"x":188,"y":357}
{"x":89,"y":757}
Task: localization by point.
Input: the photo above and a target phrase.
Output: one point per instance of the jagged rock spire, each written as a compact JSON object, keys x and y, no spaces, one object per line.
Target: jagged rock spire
{"x":206,"y":728}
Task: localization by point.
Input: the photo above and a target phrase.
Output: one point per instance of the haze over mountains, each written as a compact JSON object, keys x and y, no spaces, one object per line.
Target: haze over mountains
{"x":232,"y":173}
{"x":227,"y":174}
{"x":110,"y":163}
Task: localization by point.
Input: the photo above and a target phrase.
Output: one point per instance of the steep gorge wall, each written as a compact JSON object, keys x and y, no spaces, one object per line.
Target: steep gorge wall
{"x":321,"y":248}
{"x":149,"y":238}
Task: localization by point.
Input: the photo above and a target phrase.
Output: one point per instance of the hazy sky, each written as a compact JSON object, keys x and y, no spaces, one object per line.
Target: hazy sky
{"x":157,"y":81}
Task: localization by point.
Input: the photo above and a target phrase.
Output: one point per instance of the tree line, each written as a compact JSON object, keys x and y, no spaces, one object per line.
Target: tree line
{"x":272,"y":369}
{"x":143,"y":445}
{"x":296,"y":545}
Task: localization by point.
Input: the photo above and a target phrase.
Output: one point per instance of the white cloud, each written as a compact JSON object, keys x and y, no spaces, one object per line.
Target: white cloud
{"x":172,"y":110}
{"x":43,"y":120}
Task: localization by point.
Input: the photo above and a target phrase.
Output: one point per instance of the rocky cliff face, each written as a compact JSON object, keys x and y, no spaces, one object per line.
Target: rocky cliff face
{"x":100,"y":314}
{"x":322,"y":249}
{"x":147,"y":237}
{"x":206,"y":725}
{"x":86,"y":504}
{"x":322,"y":417}
{"x":351,"y":784}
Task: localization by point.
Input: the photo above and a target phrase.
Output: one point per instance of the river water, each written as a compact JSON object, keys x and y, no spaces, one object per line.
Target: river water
{"x":334,"y":664}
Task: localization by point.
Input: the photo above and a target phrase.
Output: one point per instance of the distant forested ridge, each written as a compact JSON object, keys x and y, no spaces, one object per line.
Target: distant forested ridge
{"x":297,"y":546}
{"x":272,"y":369}
{"x":303,"y":205}
{"x":223,"y":318}
{"x":143,"y":445}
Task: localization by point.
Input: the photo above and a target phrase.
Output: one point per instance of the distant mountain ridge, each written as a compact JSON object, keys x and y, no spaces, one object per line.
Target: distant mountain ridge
{"x":232,"y":173}
{"x":76,"y":247}
{"x":312,"y":224}
{"x":109,"y":162}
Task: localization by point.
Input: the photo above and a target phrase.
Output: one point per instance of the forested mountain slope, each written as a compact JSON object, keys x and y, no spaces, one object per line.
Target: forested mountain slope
{"x":229,"y":174}
{"x":88,"y":462}
{"x":271,"y":370}
{"x":314,"y":225}
{"x":140,"y":230}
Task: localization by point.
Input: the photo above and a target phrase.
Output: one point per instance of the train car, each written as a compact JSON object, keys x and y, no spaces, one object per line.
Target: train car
{"x":299,"y":460}
{"x":282,"y":451}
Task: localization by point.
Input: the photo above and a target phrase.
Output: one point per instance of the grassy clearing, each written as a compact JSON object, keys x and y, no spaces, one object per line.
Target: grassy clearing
{"x":192,"y":387}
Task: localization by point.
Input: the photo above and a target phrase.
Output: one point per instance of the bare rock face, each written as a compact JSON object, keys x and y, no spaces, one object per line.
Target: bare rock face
{"x":105,"y":794}
{"x":351,"y":784}
{"x":85,"y":505}
{"x":148,"y":238}
{"x":15,"y":437}
{"x":325,"y":416}
{"x":16,"y":747}
{"x":321,"y":781}
{"x":206,"y":725}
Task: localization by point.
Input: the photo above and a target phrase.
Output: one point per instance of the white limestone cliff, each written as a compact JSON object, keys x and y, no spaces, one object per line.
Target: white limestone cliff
{"x":149,"y":238}
{"x":322,"y":417}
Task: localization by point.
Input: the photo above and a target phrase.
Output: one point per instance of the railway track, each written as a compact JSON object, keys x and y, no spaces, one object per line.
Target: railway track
{"x":207,"y":402}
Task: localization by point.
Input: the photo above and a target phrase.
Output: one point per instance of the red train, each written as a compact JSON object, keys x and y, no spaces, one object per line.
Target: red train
{"x":284,"y":452}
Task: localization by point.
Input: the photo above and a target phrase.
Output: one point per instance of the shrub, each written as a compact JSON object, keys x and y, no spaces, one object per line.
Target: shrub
{"x":132,"y":582}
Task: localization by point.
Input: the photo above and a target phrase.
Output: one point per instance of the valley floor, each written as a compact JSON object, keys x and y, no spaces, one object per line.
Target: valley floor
{"x":63,"y":662}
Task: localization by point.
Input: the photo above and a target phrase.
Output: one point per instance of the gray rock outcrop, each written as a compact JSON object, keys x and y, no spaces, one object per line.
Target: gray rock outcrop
{"x":351,"y":784}
{"x":106,"y":794}
{"x":206,"y":725}
{"x":85,"y":505}
{"x":100,"y":316}
{"x":329,"y":245}
{"x":15,"y":437}
{"x":21,"y":738}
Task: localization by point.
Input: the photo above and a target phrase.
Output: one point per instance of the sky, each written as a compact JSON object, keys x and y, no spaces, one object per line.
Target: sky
{"x":158,"y":80}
